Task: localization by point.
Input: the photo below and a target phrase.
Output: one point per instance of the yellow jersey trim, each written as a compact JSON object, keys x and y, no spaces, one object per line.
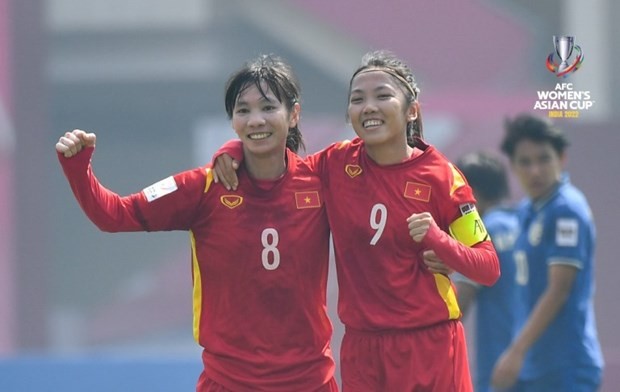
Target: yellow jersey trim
{"x":342,"y":144}
{"x":209,"y":179}
{"x":446,"y":291}
{"x":457,"y":178}
{"x":197,"y":289}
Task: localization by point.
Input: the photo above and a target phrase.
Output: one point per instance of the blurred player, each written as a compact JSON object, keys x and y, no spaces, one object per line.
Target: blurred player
{"x":259,"y":304}
{"x":498,"y":307}
{"x":391,"y":197}
{"x":557,"y":349}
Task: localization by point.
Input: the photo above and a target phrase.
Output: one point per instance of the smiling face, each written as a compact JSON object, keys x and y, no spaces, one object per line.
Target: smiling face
{"x":379,"y":110}
{"x":262,"y":122}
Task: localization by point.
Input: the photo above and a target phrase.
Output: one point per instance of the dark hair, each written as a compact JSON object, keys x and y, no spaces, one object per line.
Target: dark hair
{"x":401,"y":73}
{"x":486,"y":174}
{"x":280,"y":80}
{"x":536,"y":129}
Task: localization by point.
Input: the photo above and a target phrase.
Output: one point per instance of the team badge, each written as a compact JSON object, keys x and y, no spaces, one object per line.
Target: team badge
{"x":353,"y":170}
{"x":231,"y":201}
{"x":534,"y":235}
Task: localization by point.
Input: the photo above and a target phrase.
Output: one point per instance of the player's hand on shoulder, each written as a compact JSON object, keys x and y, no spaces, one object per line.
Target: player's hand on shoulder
{"x":224,"y":171}
{"x":73,"y":142}
{"x":419,"y":225}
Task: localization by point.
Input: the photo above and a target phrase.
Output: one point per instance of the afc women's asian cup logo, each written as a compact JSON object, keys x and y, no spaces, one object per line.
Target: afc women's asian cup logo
{"x":564,"y":47}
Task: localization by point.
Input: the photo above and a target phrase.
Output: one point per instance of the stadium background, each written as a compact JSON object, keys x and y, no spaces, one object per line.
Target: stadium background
{"x":84,"y":310}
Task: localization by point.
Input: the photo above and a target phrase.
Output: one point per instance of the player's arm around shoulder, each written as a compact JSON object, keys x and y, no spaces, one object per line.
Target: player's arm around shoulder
{"x":319,"y":162}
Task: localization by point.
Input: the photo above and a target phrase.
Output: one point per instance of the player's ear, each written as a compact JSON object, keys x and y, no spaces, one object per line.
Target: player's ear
{"x":412,"y":111}
{"x":295,"y":114}
{"x":562,"y":157}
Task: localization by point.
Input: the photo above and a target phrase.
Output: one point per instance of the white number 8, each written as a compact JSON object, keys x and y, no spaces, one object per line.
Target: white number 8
{"x":269,"y":239}
{"x":378,"y":218}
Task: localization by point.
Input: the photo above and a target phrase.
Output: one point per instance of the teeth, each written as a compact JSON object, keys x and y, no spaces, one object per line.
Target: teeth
{"x":372,"y":123}
{"x":258,"y":136}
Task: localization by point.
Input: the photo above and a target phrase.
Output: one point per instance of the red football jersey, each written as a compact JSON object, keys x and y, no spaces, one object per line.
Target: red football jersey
{"x":383,"y":282}
{"x":260,"y":262}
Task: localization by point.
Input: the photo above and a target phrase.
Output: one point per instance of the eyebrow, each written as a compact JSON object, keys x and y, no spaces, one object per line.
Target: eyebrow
{"x":261,"y":99}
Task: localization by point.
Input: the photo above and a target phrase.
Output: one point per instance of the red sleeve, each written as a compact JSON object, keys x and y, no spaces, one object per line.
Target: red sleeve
{"x":478,"y":263}
{"x":233,"y":147}
{"x":107,"y":210}
{"x":317,"y":163}
{"x":173,"y":206}
{"x":324,"y":161}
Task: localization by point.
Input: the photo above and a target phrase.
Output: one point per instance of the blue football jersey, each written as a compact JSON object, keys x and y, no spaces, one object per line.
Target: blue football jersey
{"x":560,"y":230}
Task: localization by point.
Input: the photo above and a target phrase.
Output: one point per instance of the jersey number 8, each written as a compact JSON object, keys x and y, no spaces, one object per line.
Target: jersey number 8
{"x":269,"y":238}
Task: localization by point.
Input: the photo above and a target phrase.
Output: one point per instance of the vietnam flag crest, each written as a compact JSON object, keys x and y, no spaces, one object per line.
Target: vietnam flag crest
{"x":308,"y":199}
{"x":417,"y":191}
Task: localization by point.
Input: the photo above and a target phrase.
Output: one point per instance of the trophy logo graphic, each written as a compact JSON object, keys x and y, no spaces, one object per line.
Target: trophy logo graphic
{"x":564,"y":47}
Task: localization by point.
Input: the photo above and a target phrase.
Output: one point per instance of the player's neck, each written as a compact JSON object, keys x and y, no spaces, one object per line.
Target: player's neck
{"x":269,"y":167}
{"x":389,"y":154}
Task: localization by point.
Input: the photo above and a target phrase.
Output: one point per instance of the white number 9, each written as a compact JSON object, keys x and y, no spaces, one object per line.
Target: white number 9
{"x":378,"y":218}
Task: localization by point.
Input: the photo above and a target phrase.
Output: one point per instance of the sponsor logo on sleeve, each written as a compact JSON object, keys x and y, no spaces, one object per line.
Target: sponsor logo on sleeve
{"x":467,"y":208}
{"x":566,"y":232}
{"x":160,"y":189}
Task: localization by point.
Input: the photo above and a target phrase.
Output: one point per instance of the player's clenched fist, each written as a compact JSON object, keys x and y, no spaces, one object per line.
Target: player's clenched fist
{"x":419,"y":225}
{"x":73,"y":142}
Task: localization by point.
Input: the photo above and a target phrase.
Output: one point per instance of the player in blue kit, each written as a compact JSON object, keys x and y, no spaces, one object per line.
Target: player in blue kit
{"x":557,"y":349}
{"x":498,"y":306}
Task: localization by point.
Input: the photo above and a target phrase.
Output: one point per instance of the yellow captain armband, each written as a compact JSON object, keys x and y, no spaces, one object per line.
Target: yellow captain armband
{"x":468,"y":229}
